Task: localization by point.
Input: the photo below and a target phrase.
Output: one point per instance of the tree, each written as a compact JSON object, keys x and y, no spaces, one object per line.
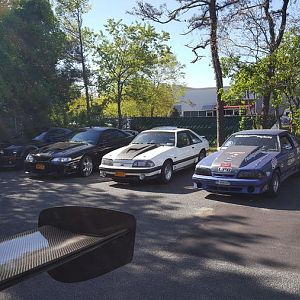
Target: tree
{"x":30,"y":50}
{"x":205,"y":16}
{"x":126,"y":53}
{"x":253,"y":76}
{"x":256,"y":31}
{"x":71,"y":14}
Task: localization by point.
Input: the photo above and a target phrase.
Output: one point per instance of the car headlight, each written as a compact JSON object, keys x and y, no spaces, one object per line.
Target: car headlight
{"x":251,"y":174}
{"x":1,"y":152}
{"x":203,"y":171}
{"x":143,"y":164}
{"x":62,"y":159}
{"x":29,"y":158}
{"x":107,"y":162}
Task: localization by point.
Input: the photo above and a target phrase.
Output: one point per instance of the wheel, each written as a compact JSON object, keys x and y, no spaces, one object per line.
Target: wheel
{"x":274,"y":184}
{"x":86,"y":166}
{"x":201,"y":155}
{"x":166,"y":172}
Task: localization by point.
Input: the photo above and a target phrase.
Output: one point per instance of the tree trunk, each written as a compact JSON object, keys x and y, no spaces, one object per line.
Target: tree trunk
{"x":84,"y":72}
{"x":218,"y":72}
{"x":265,"y":110}
{"x":119,"y":112}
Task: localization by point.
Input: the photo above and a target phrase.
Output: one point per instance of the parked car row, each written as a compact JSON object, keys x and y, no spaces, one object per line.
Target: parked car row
{"x":249,"y":162}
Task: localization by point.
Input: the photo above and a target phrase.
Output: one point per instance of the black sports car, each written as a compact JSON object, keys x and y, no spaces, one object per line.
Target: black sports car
{"x":80,"y":154}
{"x":15,"y":151}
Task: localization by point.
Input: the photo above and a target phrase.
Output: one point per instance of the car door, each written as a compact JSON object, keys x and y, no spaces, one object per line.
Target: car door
{"x":287,"y":157}
{"x":197,"y":142}
{"x":185,"y":150}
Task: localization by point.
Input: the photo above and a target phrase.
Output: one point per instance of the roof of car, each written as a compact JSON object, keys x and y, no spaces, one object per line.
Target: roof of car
{"x":263,"y":131}
{"x":96,"y":128}
{"x":167,"y":129}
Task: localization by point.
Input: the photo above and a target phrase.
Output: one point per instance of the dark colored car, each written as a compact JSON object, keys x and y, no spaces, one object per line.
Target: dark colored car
{"x":250,"y":162}
{"x":15,"y":151}
{"x":80,"y":154}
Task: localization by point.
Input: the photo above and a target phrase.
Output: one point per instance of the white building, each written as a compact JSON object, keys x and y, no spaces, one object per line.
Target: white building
{"x":197,"y":102}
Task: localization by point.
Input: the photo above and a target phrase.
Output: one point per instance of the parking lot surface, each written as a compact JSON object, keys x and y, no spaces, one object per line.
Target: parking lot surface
{"x":189,"y":244}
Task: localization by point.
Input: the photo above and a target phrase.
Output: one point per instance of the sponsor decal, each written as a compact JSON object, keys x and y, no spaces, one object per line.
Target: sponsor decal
{"x":225,"y":165}
{"x":251,"y":156}
{"x":298,"y":150}
{"x":224,"y":169}
{"x":291,"y":161}
{"x":274,"y":163}
{"x":232,"y":155}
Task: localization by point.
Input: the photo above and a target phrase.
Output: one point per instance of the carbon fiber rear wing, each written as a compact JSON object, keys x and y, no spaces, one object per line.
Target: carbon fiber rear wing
{"x":71,"y":243}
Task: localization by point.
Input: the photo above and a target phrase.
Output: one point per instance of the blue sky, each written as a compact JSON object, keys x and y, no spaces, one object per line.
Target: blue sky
{"x":199,"y":74}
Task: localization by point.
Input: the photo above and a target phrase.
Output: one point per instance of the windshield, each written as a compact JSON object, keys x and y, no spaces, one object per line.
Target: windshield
{"x":40,"y":137}
{"x":89,"y":136}
{"x":157,"y":137}
{"x":265,"y":142}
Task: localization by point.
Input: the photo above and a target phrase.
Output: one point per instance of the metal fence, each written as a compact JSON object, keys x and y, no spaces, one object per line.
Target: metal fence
{"x":206,"y":126}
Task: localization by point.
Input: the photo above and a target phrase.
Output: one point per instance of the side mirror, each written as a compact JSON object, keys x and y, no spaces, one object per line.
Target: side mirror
{"x":71,"y":243}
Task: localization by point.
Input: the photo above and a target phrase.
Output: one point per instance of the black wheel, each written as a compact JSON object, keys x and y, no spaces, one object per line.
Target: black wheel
{"x":166,"y":172}
{"x":86,"y":166}
{"x":274,"y":184}
{"x":201,"y":155}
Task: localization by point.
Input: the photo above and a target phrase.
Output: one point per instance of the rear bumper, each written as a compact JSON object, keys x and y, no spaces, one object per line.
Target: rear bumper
{"x":51,"y":168}
{"x":129,"y":174}
{"x":10,"y":161}
{"x":230,"y":185}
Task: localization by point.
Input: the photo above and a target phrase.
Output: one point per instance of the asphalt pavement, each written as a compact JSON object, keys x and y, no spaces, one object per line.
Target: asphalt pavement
{"x":189,"y":244}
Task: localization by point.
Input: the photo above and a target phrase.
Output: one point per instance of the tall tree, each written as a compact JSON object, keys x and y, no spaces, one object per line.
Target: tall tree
{"x":200,"y":15}
{"x":30,"y":50}
{"x":256,"y":31}
{"x":125,"y":53}
{"x":71,"y":14}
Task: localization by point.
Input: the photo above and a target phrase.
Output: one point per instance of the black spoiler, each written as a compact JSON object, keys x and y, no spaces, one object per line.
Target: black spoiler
{"x":71,"y":243}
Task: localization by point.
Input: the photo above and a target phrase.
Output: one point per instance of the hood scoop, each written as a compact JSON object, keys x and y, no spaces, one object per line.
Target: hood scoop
{"x":237,"y":156}
{"x":135,"y":150}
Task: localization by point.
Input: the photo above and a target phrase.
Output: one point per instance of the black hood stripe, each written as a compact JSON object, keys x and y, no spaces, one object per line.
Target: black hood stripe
{"x":135,"y":150}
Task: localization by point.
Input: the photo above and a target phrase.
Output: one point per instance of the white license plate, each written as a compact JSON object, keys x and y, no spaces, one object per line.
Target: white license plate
{"x":222,"y":182}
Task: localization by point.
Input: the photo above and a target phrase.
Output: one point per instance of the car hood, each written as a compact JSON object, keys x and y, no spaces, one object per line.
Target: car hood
{"x":138,"y":151}
{"x":12,"y":149}
{"x":63,"y":149}
{"x":236,"y":157}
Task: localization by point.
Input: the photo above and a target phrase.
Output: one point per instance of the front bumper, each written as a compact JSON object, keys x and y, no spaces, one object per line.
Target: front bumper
{"x":10,"y":161}
{"x":50,"y":168}
{"x":129,"y":174}
{"x":225,"y":185}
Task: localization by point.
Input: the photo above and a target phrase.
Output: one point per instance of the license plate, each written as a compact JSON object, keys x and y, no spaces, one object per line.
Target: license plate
{"x":120,"y":174}
{"x":223,"y":182}
{"x":40,"y":167}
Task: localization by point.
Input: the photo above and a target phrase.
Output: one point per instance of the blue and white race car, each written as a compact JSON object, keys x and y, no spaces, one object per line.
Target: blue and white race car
{"x":250,"y":162}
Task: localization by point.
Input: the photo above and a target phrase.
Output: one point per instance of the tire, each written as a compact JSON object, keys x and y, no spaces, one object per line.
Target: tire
{"x":274,"y":184}
{"x":201,"y":155}
{"x":86,"y":166}
{"x":166,"y":172}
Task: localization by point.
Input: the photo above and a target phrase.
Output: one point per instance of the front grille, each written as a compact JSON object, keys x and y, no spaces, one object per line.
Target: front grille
{"x":224,"y":188}
{"x":42,"y":158}
{"x":226,"y":175}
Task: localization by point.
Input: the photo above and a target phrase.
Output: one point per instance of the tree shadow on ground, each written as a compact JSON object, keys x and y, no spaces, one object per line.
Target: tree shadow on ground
{"x":178,"y":255}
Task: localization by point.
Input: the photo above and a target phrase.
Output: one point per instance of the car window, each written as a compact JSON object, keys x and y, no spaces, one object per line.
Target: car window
{"x":87,"y":136}
{"x":194,"y":138}
{"x":285,"y":143}
{"x":294,"y":139}
{"x":155,"y":137}
{"x":183,"y":139}
{"x":265,"y":142}
{"x":111,"y":135}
